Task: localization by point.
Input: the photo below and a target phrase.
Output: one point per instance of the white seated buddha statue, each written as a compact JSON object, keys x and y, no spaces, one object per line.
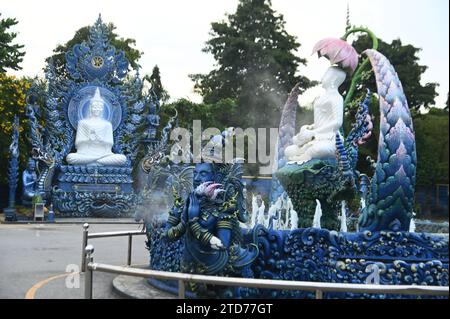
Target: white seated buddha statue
{"x":94,"y":138}
{"x":318,"y":140}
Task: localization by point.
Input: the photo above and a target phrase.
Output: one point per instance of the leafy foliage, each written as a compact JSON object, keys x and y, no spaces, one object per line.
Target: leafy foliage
{"x":11,"y":55}
{"x":256,"y":65}
{"x":155,"y":80}
{"x":405,"y":60}
{"x":211,"y":115}
{"x":432,"y":143}
{"x":12,"y":102}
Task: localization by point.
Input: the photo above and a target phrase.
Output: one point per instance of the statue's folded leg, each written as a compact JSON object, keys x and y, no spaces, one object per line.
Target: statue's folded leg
{"x":299,"y":155}
{"x":323,"y":149}
{"x":79,"y":159}
{"x":291,"y":151}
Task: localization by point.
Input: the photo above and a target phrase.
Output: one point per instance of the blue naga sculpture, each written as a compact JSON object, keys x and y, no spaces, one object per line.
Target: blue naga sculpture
{"x":391,"y":198}
{"x":87,"y":148}
{"x":13,"y":172}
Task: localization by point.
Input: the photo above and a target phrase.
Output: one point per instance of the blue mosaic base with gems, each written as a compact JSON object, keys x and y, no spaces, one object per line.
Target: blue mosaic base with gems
{"x":319,"y":255}
{"x":94,"y":191}
{"x":327,"y":256}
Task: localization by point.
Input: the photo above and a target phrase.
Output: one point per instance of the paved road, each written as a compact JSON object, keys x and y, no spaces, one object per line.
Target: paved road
{"x":32,"y":253}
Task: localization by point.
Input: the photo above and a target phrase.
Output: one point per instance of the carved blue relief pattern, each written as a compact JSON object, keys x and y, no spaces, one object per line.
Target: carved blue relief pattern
{"x":327,"y":256}
{"x":97,"y":59}
{"x":13,"y":167}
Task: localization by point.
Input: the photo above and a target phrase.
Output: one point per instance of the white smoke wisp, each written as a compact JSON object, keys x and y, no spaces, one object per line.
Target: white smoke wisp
{"x":155,"y":198}
{"x":153,"y":206}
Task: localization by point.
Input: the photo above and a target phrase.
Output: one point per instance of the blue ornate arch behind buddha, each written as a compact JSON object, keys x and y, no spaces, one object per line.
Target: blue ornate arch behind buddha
{"x":89,"y":190}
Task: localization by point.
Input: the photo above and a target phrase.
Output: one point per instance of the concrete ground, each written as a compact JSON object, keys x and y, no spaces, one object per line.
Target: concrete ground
{"x":40,"y":260}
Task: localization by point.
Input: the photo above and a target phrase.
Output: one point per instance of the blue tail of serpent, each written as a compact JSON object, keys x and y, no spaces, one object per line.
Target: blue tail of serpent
{"x":391,"y":199}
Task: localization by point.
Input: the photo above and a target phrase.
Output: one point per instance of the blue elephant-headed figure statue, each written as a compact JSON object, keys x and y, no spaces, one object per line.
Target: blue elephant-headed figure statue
{"x":209,"y":219}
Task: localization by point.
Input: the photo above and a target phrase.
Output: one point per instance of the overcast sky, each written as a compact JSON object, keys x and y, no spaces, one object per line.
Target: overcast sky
{"x":172,"y":33}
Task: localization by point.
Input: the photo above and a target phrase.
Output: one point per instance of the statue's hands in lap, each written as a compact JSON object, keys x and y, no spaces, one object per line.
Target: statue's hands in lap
{"x":306,"y":135}
{"x":95,"y":139}
{"x":216,"y":243}
{"x":93,"y":136}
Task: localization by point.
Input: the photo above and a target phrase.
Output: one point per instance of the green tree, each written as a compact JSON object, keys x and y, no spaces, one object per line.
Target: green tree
{"x":432,"y":142}
{"x":405,"y":60}
{"x":155,"y":80}
{"x":256,"y":65}
{"x":446,"y":103}
{"x":125,"y":44}
{"x":11,"y":55}
{"x":211,"y":115}
{"x":12,"y":102}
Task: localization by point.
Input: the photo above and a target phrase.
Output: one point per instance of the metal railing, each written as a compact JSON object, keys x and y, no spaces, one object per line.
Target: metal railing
{"x":317,"y":287}
{"x":87,"y":235}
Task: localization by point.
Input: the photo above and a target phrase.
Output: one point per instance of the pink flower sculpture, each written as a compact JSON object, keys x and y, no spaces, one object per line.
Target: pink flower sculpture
{"x":210,"y":190}
{"x":338,"y":52}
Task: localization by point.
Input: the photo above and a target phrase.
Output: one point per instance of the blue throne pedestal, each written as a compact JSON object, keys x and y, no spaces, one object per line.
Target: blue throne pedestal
{"x":94,"y":191}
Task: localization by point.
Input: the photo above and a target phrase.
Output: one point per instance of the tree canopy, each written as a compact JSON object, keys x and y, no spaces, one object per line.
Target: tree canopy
{"x":256,"y":64}
{"x":11,"y":55}
{"x":405,"y":60}
{"x":12,"y":102}
{"x":432,"y":147}
{"x":155,"y":80}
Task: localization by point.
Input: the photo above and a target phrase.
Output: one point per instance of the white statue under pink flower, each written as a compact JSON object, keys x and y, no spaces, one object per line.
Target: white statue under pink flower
{"x":317,"y":141}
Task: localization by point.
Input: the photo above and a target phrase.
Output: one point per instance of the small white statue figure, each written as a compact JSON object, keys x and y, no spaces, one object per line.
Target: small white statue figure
{"x":275,"y":213}
{"x":362,"y":203}
{"x":255,"y":209}
{"x":293,"y":219}
{"x":281,"y":212}
{"x":412,"y":224}
{"x":317,"y":215}
{"x":343,"y":217}
{"x":318,"y":141}
{"x":94,"y":139}
{"x":262,"y":219}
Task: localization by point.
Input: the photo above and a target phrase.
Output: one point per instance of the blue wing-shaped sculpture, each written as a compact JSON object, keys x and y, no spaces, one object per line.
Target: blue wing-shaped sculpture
{"x":391,"y":198}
